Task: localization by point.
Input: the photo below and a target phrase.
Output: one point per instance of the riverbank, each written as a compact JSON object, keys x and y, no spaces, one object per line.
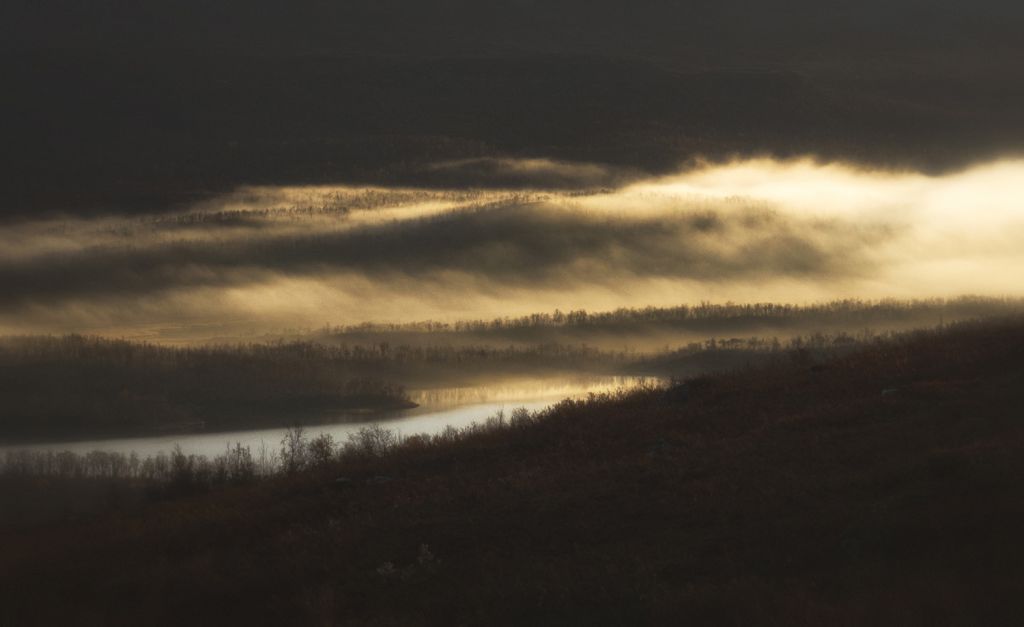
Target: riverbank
{"x":878,"y":488}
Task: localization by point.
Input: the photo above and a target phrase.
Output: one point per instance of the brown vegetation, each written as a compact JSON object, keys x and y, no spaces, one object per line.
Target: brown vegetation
{"x":878,"y":488}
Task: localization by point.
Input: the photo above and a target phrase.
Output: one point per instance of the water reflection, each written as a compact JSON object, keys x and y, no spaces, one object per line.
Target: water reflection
{"x":523,"y":390}
{"x":457,"y":407}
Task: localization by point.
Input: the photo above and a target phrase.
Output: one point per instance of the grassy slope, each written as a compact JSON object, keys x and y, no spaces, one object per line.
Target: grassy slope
{"x":793,"y":496}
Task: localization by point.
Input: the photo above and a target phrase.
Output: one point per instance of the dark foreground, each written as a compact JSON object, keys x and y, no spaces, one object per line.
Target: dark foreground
{"x":883,"y":488}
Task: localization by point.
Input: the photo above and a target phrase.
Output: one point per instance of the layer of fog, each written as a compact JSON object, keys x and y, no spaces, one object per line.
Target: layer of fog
{"x":261,"y":259}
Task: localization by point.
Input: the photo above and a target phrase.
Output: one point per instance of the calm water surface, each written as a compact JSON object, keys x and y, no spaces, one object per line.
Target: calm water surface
{"x":438,"y":409}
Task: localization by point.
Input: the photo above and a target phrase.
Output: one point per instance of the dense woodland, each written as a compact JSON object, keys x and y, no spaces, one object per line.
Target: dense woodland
{"x":75,"y":386}
{"x":81,"y":386}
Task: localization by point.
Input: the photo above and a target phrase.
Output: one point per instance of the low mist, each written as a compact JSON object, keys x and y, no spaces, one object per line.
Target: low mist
{"x":264,"y":259}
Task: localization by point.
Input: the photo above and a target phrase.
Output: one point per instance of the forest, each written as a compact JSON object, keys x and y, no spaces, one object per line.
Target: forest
{"x":76,"y":386}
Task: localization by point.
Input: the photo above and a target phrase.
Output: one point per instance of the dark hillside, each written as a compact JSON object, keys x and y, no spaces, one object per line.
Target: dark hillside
{"x":881,"y":488}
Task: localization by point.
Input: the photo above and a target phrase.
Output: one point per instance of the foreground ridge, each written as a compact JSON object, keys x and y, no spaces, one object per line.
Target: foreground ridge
{"x":877,"y":488}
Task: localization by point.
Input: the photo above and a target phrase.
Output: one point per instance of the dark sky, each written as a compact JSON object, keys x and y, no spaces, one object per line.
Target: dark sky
{"x":125,"y":120}
{"x":117,"y":106}
{"x":262,"y":26}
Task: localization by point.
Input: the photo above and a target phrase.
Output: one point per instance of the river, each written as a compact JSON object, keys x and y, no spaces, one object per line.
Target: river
{"x":438,"y":409}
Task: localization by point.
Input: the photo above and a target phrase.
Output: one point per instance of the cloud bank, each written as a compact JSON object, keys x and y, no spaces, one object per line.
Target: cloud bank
{"x":751,"y":230}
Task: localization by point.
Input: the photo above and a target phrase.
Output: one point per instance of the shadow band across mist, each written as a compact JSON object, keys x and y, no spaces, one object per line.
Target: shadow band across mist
{"x":526,"y":244}
{"x":788,"y":231}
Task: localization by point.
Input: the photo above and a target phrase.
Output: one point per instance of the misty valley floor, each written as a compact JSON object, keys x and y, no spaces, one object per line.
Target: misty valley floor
{"x":879,"y":488}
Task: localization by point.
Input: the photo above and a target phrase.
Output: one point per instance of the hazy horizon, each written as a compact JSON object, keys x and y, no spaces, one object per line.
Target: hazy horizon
{"x":262,"y":259}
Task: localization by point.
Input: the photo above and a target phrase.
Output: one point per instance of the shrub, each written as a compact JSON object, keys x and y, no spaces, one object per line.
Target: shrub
{"x":294,"y":450}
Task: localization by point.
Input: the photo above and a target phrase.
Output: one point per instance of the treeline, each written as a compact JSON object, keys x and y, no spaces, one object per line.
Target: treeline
{"x":48,"y":485}
{"x":75,"y":385}
{"x":707,"y":315}
{"x":652,"y":329}
{"x":729,"y":354}
{"x":238,"y":464}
